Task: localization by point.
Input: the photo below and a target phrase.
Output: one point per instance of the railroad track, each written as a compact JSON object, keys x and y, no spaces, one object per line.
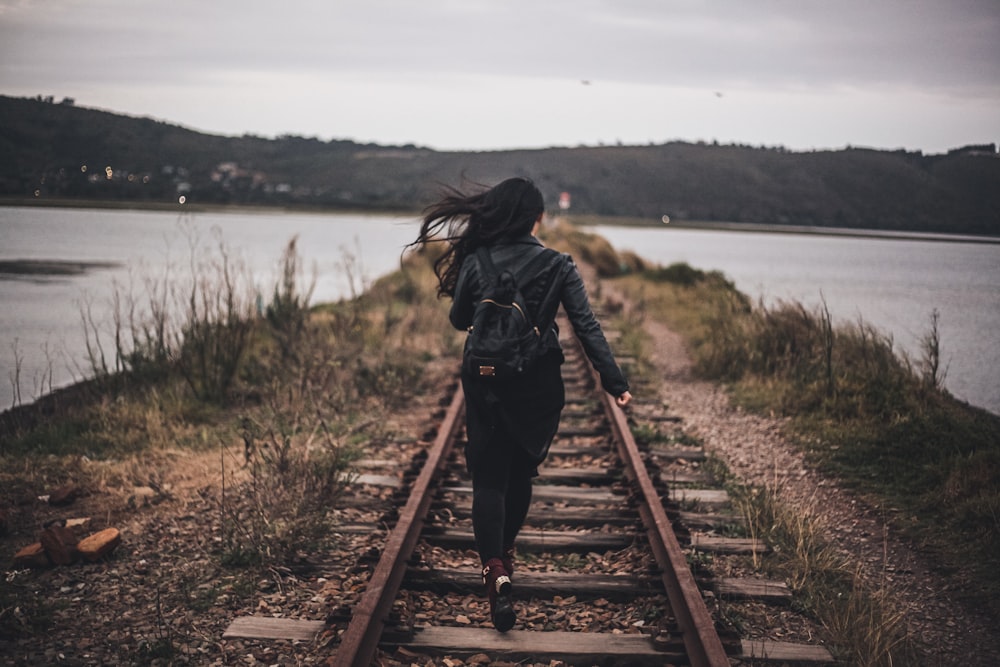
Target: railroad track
{"x":602,"y":576}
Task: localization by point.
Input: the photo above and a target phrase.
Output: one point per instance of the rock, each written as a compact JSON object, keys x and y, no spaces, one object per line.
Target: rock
{"x":100,"y":544}
{"x":59,"y":543}
{"x":4,"y":522}
{"x":32,"y":555}
{"x":64,"y":495}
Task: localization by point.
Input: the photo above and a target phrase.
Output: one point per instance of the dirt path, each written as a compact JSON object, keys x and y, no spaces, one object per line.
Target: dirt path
{"x":755,"y":451}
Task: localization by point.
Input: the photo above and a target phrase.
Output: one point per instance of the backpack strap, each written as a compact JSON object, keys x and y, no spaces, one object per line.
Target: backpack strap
{"x":534,"y":268}
{"x":489,"y":269}
{"x":551,"y":289}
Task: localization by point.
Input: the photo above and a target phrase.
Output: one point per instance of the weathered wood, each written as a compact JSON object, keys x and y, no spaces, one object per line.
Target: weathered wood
{"x":558,"y":449}
{"x":762,"y":649}
{"x":538,"y":540}
{"x":592,"y":647}
{"x":570,"y":432}
{"x":582,"y":475}
{"x":726,"y":545}
{"x":675,"y":453}
{"x":548,"y":515}
{"x":555,"y":493}
{"x":759,"y":589}
{"x":377,"y":463}
{"x":263,"y":627}
{"x":390,"y":481}
{"x":539,"y":584}
{"x":705,"y":520}
{"x":712,"y":497}
{"x":684,"y":477}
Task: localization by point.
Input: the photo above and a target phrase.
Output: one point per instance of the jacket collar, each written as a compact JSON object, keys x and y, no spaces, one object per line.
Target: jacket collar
{"x":526,"y":238}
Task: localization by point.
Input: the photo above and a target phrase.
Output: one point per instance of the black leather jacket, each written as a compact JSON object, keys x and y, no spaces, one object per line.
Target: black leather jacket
{"x":514,"y":255}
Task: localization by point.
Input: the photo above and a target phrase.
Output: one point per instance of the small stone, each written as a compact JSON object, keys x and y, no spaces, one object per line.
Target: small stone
{"x":100,"y":544}
{"x":32,"y":555}
{"x":59,"y":543}
{"x":64,"y":495}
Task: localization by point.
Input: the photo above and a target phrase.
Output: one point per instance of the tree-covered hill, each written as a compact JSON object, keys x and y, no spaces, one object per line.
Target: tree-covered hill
{"x":56,"y":150}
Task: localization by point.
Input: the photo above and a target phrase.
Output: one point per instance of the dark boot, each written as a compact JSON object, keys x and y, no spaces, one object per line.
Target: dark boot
{"x":499,"y":590}
{"x":508,"y":561}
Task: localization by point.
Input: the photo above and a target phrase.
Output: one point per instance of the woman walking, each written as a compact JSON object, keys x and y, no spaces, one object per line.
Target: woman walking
{"x":510,"y":422}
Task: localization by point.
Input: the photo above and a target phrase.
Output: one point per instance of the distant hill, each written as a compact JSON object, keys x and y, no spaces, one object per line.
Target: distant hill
{"x":53,"y":150}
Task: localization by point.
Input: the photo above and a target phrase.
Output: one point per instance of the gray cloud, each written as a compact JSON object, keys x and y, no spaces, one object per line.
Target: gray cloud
{"x":945,"y":48}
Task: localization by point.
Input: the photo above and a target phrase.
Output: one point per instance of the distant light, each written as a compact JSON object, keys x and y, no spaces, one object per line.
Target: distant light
{"x":182,"y":199}
{"x":83,"y":168}
{"x":666,"y":219}
{"x":109,"y":172}
{"x":38,"y":193}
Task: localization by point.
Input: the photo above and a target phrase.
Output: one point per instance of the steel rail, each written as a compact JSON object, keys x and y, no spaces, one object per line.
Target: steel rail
{"x":701,"y":641}
{"x":360,"y":641}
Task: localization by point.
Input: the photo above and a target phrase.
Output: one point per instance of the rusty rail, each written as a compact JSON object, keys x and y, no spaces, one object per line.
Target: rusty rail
{"x":360,"y":640}
{"x":701,"y":641}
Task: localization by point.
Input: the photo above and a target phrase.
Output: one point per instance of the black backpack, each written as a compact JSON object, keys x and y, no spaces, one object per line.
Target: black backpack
{"x":504,"y":341}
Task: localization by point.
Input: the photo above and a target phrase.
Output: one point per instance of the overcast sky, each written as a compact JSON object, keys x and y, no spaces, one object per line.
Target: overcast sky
{"x":487,"y":74}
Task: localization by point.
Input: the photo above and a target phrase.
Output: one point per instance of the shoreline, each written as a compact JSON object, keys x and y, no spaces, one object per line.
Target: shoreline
{"x":175,"y":207}
{"x":762,"y":228}
{"x":581,"y":220}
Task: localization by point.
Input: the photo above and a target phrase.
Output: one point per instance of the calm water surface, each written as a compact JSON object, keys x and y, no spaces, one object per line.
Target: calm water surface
{"x":42,"y":315}
{"x":891,"y":283}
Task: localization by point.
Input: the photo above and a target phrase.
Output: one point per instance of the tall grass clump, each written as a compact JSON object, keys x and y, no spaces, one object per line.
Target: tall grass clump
{"x":866,"y":625}
{"x":197,"y":324}
{"x":281,"y":499}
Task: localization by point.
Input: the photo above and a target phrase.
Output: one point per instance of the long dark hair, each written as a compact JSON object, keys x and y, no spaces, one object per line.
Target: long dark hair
{"x":466,"y":221}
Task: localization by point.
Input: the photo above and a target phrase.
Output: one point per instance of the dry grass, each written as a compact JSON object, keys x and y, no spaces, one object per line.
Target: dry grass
{"x":866,"y":625}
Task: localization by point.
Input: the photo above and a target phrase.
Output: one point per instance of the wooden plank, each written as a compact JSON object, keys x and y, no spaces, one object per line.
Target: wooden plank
{"x":763,"y":649}
{"x":264,"y":627}
{"x":709,"y":520}
{"x":582,"y":475}
{"x":538,"y":540}
{"x":556,"y":493}
{"x":591,"y":647}
{"x":675,"y":453}
{"x":576,"y":450}
{"x":377,"y":463}
{"x":712,"y":497}
{"x":582,"y":432}
{"x":676,"y":476}
{"x":377,"y":480}
{"x":726,"y":545}
{"x":758,"y":589}
{"x":539,"y":584}
{"x":547,"y":515}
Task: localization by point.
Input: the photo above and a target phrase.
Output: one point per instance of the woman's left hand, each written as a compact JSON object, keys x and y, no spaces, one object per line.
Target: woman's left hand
{"x":624,"y":399}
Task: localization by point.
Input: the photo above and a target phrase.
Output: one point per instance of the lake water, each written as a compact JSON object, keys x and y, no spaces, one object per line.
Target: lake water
{"x":892,"y":283}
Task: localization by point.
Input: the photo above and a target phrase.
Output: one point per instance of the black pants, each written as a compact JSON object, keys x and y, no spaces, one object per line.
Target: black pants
{"x":510,"y":425}
{"x":501,"y":496}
